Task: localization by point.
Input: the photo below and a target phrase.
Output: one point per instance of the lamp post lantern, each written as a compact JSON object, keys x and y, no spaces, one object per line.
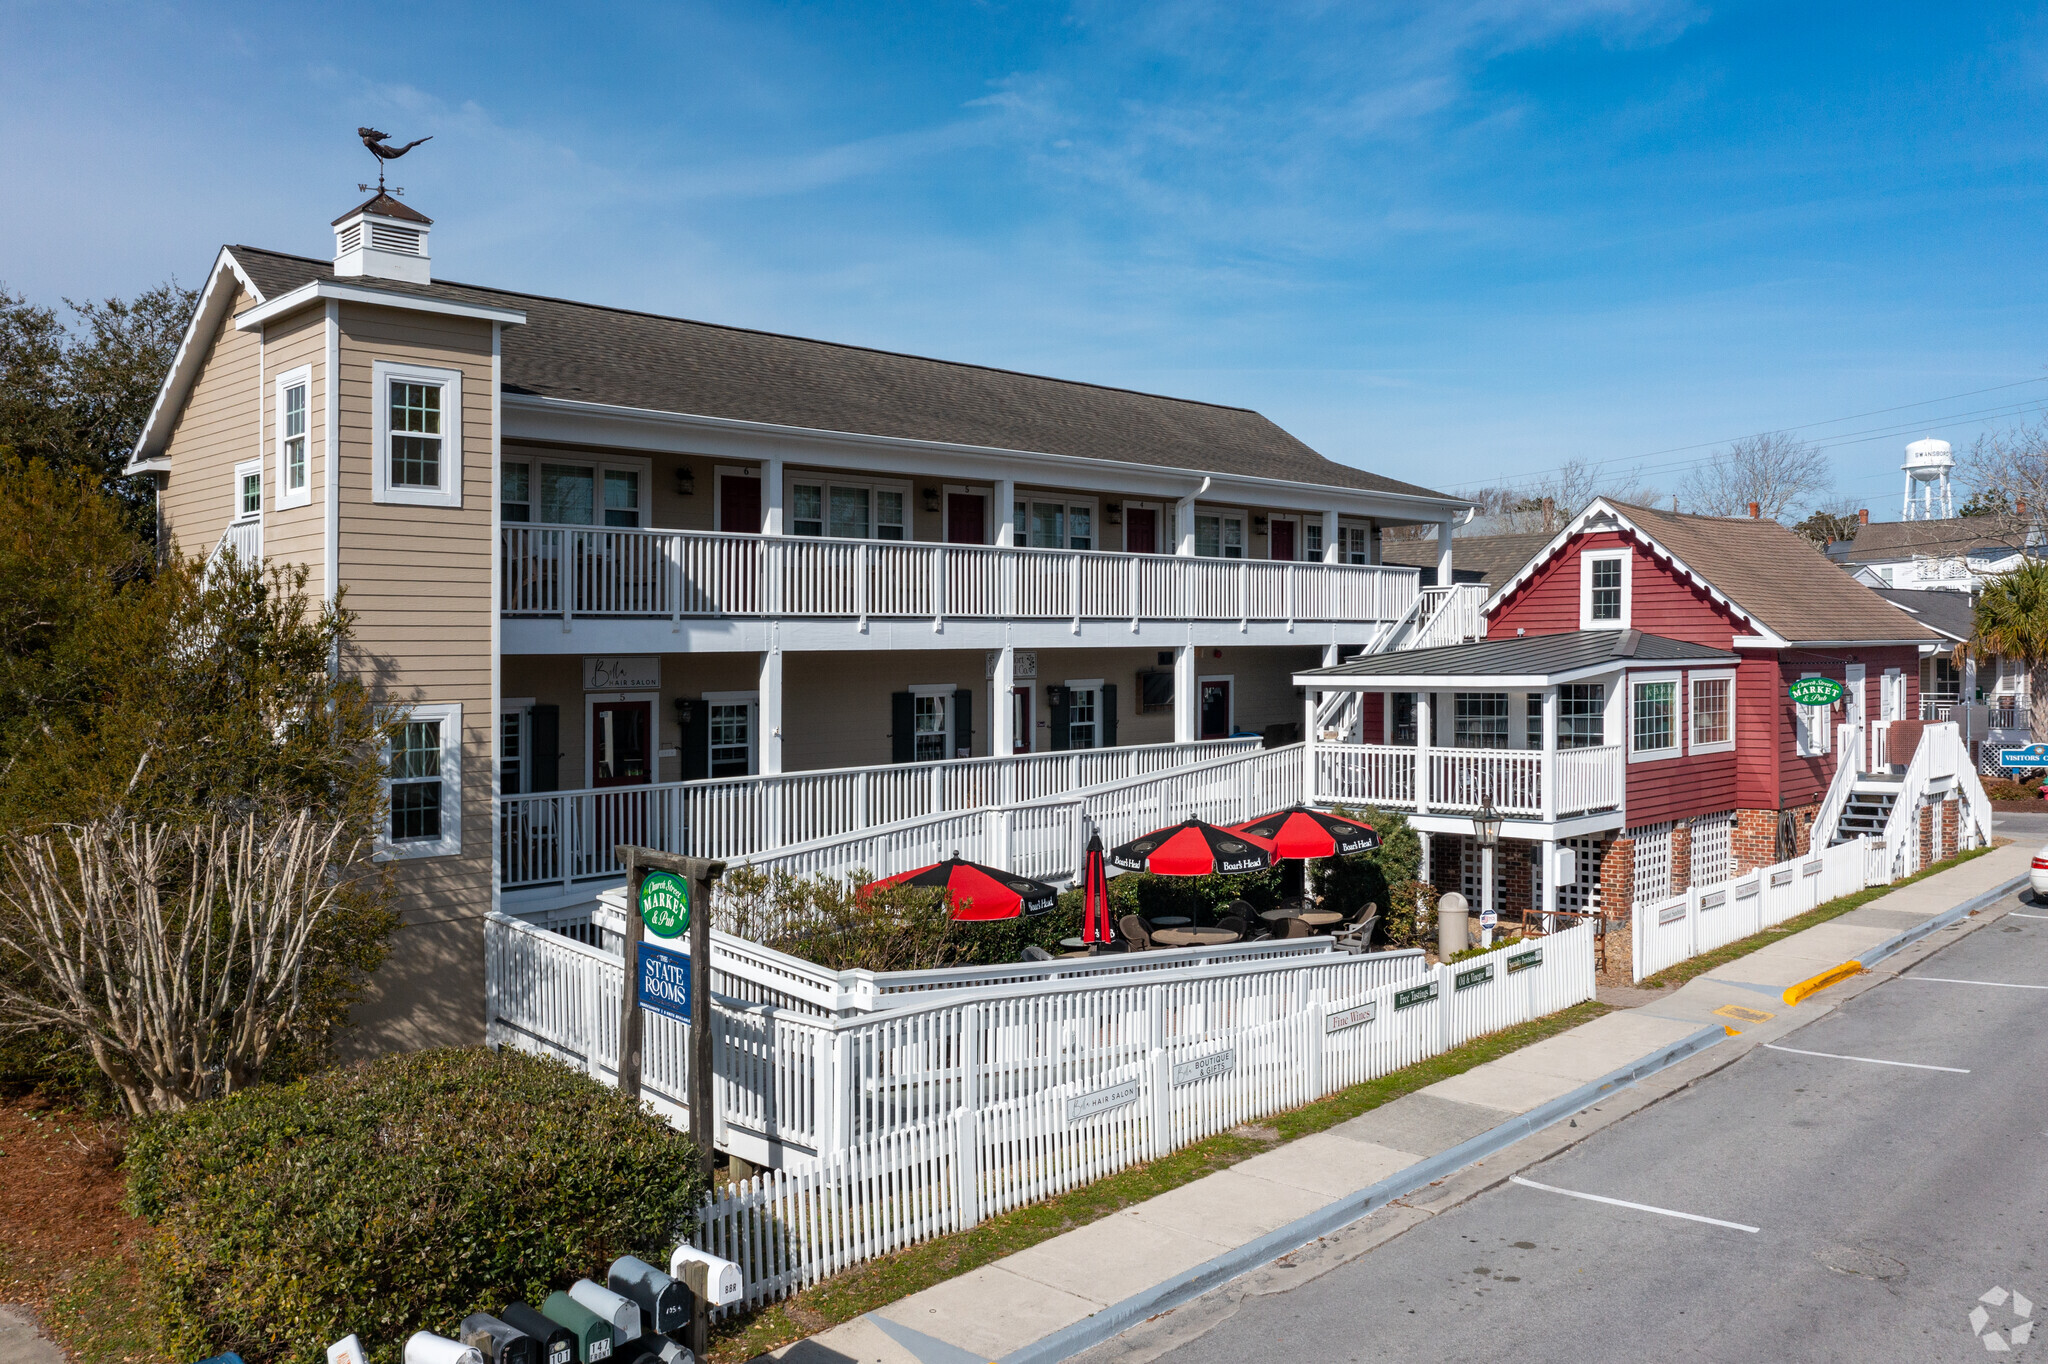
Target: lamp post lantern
{"x":1486,"y":831}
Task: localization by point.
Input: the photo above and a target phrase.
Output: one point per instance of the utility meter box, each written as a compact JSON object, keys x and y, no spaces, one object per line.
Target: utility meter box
{"x":664,"y":1302}
{"x":498,"y":1341}
{"x":621,"y":1311}
{"x":424,"y":1347}
{"x":593,"y":1333}
{"x":718,"y":1282}
{"x":557,"y":1342}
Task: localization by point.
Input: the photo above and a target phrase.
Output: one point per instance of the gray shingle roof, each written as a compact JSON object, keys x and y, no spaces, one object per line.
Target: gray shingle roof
{"x":1533,"y":655}
{"x":1882,"y":540}
{"x":1952,"y":613}
{"x":1474,"y":558}
{"x":587,"y":353}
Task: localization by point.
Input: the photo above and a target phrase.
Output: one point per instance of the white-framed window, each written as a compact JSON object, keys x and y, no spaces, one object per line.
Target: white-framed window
{"x":294,"y":445}
{"x":732,"y":732}
{"x":1312,"y":539}
{"x":1219,"y":534}
{"x":1084,"y":713}
{"x":1480,"y":719}
{"x":573,"y":492}
{"x":1582,"y":715}
{"x":1354,"y":544}
{"x":1532,"y":720}
{"x":1653,"y":716}
{"x":1815,"y":727}
{"x":515,"y":490}
{"x":1712,"y":712}
{"x":423,"y":784}
{"x":249,"y":490}
{"x":515,"y":745}
{"x":416,"y":427}
{"x":1051,"y":523}
{"x":931,"y":722}
{"x":848,"y":509}
{"x":1604,"y":589}
{"x":1401,"y":717}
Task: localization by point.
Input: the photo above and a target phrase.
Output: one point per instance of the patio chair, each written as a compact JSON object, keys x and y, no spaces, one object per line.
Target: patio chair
{"x":1137,"y":934}
{"x":1033,"y":952}
{"x":1234,"y":923}
{"x":1295,"y":928}
{"x":1356,"y":934}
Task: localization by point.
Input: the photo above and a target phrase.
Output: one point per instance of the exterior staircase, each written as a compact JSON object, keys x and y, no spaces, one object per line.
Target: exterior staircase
{"x":1869,"y":808}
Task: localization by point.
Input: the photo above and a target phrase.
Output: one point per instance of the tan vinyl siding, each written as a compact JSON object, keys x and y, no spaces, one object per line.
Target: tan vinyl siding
{"x":419,"y":580}
{"x":835,"y":707}
{"x":215,"y":430}
{"x":297,"y":535}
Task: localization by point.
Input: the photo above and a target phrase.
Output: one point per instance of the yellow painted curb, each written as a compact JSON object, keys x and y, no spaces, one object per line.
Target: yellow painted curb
{"x":1814,"y":985}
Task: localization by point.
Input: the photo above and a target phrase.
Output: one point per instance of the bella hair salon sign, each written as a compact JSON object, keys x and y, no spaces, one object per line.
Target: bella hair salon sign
{"x":622,"y":674}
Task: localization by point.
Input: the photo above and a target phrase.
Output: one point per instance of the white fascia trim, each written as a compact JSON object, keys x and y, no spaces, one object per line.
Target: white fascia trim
{"x":356,"y":293}
{"x":213,"y":303}
{"x":1742,"y":643}
{"x":1290,"y":493}
{"x":1601,"y":506}
{"x":1496,"y":681}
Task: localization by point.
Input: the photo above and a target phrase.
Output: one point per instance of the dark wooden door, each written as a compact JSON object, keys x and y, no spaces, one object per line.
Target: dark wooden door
{"x":739,"y":505}
{"x":1216,"y":709}
{"x":1283,"y":540}
{"x":1141,"y":530}
{"x":620,"y":752}
{"x":966,"y":519}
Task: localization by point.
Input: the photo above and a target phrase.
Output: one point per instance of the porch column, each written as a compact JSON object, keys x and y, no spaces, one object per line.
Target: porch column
{"x":1187,"y":706}
{"x":771,"y":712}
{"x":1443,"y":553}
{"x":771,"y":497}
{"x":1425,"y":873}
{"x":1549,"y":883}
{"x":1005,"y":514}
{"x":1372,"y":542}
{"x":1332,"y":552}
{"x":1184,"y":526}
{"x":1550,"y":703}
{"x":1423,"y":734}
{"x":1002,"y":712}
{"x":1308,"y":734}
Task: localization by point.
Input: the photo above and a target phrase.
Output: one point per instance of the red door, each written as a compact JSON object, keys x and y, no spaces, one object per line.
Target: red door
{"x":739,"y":505}
{"x":1283,"y":540}
{"x":966,"y":519}
{"x":1141,"y":530}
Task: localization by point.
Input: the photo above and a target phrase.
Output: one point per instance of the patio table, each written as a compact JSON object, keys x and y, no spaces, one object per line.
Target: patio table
{"x":1321,"y":918}
{"x":1172,"y":921}
{"x":1275,"y":915}
{"x":1194,"y":937}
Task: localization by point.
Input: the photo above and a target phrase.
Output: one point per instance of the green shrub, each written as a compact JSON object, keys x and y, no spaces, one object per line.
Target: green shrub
{"x":396,"y":1196}
{"x":2004,"y":788}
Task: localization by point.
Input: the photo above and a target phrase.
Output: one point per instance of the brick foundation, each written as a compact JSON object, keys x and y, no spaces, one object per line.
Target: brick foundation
{"x":1951,"y":827}
{"x":1756,"y":836}
{"x":1617,"y":880}
{"x":1519,"y":891}
{"x":1447,"y":863}
{"x":1926,"y":835}
{"x":1681,"y":858}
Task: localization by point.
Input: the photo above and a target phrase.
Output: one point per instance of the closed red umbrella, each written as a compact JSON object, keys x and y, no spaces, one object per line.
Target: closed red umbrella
{"x":1095,"y":894}
{"x":977,"y":894}
{"x":1194,"y":848}
{"x":1299,"y":832}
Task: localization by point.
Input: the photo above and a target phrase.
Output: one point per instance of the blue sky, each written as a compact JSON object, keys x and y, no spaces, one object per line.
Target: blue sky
{"x":1458,"y":243}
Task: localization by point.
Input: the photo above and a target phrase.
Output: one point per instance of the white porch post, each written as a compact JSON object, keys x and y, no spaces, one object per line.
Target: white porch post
{"x":1330,"y":657}
{"x":1549,"y":883}
{"x":771,"y":497}
{"x":1423,"y":734}
{"x":1549,"y":699}
{"x":1184,"y":526}
{"x":1372,"y":542}
{"x":771,"y":712}
{"x":1443,"y":553}
{"x":1187,"y":706}
{"x":1002,"y":714}
{"x":1006,"y":511}
{"x":1424,"y":873}
{"x":1310,"y":753}
{"x":1332,"y":553}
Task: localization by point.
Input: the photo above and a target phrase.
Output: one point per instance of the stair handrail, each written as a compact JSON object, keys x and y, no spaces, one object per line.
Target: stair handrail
{"x":1383,"y":642}
{"x":1900,"y":826}
{"x":1978,"y":803}
{"x":1827,"y":819}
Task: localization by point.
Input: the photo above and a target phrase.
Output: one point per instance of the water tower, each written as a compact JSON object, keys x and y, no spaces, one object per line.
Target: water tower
{"x":1928,"y":465}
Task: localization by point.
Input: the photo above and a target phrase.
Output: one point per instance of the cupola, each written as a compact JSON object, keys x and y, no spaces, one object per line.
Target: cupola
{"x":382,"y":239}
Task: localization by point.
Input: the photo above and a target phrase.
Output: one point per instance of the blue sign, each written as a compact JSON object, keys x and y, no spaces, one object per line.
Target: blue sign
{"x":2033,"y":755}
{"x":665,"y":981}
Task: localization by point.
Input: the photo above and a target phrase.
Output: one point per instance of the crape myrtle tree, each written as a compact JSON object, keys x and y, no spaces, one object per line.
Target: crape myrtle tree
{"x":188,"y":800}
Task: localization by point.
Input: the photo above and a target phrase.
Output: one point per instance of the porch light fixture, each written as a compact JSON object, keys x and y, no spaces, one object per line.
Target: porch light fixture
{"x":931,"y":499}
{"x":1258,"y":525}
{"x":686,"y":481}
{"x":1486,"y":823}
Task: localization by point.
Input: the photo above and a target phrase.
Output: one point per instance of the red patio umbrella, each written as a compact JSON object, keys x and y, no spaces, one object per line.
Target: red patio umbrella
{"x":977,"y":894}
{"x":1095,"y":894}
{"x":1299,"y":832}
{"x":1194,"y":848}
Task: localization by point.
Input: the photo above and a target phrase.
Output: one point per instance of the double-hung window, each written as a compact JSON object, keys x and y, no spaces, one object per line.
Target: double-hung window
{"x":572,"y":493}
{"x":1532,"y":724}
{"x":417,"y":431}
{"x":1581,"y":715}
{"x":1480,"y":719}
{"x":249,"y":490}
{"x":1653,"y":717}
{"x":1219,"y":535}
{"x":1084,"y":717}
{"x":1402,"y":707}
{"x":848,"y":510}
{"x":1712,"y":712}
{"x":1354,"y":545}
{"x":928,"y":729}
{"x":423,"y":784}
{"x":1604,"y":589}
{"x":1312,"y":539}
{"x":732,"y":738}
{"x":1056,"y":525}
{"x":294,"y":462}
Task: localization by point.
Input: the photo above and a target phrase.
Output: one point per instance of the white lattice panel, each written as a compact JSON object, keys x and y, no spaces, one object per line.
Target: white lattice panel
{"x":1713,"y":848}
{"x":1653,"y":863}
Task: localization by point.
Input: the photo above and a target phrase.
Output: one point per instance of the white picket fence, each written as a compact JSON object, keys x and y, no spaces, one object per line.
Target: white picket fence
{"x":903,"y":1125}
{"x":1706,"y":917}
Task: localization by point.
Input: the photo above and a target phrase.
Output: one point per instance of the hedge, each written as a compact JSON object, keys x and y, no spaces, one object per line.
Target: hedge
{"x":398,"y":1195}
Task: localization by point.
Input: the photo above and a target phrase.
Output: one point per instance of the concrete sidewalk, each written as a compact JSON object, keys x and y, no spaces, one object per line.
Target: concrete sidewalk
{"x":1078,"y":1289}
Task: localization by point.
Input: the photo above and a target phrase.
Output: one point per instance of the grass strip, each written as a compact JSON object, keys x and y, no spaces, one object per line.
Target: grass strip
{"x":881,"y":1281}
{"x":1819,"y":914}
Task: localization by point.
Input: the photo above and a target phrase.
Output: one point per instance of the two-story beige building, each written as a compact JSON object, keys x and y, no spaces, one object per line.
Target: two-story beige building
{"x":644,"y":579}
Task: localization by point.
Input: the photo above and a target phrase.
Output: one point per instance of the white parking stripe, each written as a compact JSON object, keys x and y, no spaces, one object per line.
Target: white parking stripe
{"x":1951,"y":980}
{"x":2015,"y":914}
{"x":1867,"y":1060}
{"x":1624,"y":1203}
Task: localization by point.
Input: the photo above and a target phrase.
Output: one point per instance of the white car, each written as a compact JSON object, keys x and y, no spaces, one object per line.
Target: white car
{"x":2039,"y":872}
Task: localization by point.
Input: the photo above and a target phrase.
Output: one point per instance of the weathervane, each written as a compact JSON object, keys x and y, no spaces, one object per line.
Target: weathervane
{"x":383,"y":151}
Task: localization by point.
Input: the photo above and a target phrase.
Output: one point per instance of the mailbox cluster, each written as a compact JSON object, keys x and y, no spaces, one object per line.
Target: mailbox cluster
{"x":634,"y":1317}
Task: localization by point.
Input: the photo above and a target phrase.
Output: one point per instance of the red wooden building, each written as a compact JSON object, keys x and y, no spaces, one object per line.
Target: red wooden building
{"x":1629,"y":702}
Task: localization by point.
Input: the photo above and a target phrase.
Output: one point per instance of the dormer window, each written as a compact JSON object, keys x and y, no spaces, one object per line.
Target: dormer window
{"x":418,"y":435}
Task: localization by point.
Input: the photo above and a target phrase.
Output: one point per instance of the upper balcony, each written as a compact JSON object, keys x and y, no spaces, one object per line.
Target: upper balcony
{"x":571,"y":574}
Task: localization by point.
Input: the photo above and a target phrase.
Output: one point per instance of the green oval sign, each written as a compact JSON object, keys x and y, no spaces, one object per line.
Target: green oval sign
{"x":1816,"y":691}
{"x":665,"y":904}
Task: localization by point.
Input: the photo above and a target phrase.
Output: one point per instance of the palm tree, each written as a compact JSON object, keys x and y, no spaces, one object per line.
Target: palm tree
{"x":2012,"y":619}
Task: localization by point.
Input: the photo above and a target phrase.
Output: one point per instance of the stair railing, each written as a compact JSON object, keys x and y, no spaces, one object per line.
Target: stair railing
{"x":1828,"y":818}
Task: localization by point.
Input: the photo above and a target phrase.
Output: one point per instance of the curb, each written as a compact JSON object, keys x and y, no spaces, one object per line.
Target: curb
{"x":1114,"y":1319}
{"x":1876,"y":953}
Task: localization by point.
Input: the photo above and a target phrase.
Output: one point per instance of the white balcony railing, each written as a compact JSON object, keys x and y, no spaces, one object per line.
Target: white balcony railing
{"x":1451,"y":615}
{"x":564,"y":572}
{"x":1523,"y":783}
{"x":244,"y":539}
{"x":557,"y":837}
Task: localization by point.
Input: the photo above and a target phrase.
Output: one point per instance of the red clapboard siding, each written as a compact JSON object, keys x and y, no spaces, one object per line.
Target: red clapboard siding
{"x":1763,"y":720}
{"x":1688,"y":785}
{"x":1661,"y":602}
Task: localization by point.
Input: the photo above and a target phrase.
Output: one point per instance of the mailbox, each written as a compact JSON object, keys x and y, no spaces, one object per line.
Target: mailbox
{"x":718,"y":1282}
{"x":653,"y":1350}
{"x":424,"y":1347}
{"x":593,"y":1333}
{"x":498,"y":1341}
{"x":665,"y":1302}
{"x":557,"y":1342}
{"x":621,"y":1311}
